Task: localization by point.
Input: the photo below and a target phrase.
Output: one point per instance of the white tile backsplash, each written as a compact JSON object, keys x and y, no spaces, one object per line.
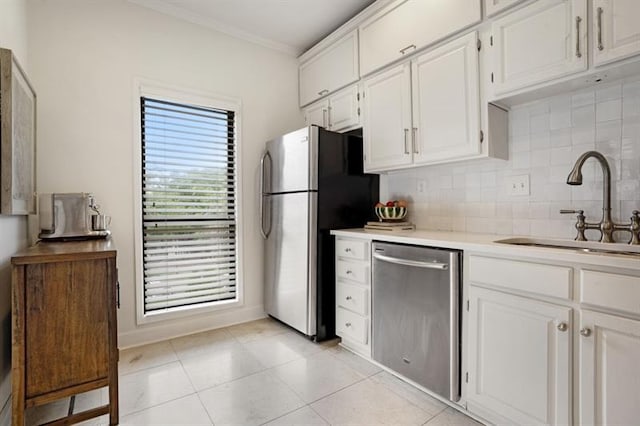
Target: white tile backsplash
{"x":545,"y":139}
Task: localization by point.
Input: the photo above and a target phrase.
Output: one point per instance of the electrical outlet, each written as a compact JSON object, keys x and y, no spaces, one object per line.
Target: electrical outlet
{"x":518,"y":185}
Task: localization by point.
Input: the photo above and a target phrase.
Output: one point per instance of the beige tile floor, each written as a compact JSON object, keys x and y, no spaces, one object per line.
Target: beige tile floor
{"x":257,"y":373}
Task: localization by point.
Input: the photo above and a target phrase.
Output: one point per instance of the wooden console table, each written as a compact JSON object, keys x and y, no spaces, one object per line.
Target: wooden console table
{"x":64,"y":341}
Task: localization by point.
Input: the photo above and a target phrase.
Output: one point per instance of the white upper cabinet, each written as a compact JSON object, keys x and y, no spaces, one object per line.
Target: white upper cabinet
{"x":491,"y":7}
{"x":609,"y":372}
{"x":446,"y":104}
{"x":542,"y":41}
{"x":616,"y":30}
{"x":387,"y":119}
{"x":427,"y":110}
{"x":329,"y":70}
{"x":519,"y":359}
{"x":338,"y":112}
{"x":408,"y":25}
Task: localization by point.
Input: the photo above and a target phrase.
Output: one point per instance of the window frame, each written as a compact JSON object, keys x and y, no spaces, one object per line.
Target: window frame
{"x":151,"y":89}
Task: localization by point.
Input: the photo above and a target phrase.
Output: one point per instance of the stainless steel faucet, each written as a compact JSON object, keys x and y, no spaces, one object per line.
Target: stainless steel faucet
{"x":575,"y":178}
{"x":606,"y":225}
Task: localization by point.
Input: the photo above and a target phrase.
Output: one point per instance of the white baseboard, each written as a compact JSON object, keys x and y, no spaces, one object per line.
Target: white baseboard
{"x":163,"y":331}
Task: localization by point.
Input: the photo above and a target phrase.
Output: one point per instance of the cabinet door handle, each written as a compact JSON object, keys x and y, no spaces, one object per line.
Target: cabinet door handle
{"x":578,"y":53}
{"x":323,"y":92}
{"x":324,"y":118}
{"x":329,"y":117}
{"x":349,"y":272}
{"x":411,"y":46}
{"x":406,"y":136}
{"x":348,"y":324}
{"x":563,"y":326}
{"x":586,"y":332}
{"x":414,"y":142}
{"x":347,"y":250}
{"x":599,"y":23}
{"x":348,"y":298}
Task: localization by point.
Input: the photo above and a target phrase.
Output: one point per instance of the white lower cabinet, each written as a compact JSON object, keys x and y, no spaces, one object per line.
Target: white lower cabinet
{"x":353,"y":294}
{"x":519,"y":359}
{"x":518,"y":350}
{"x":609,"y":352}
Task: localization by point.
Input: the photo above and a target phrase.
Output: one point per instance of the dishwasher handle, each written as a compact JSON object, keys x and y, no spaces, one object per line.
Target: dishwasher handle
{"x":415,"y":263}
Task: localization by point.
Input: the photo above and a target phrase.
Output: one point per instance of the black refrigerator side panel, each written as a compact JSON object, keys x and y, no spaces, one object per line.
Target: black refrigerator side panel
{"x":346,"y":199}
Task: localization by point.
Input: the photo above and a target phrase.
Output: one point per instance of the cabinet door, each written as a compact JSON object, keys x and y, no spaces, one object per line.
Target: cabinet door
{"x":329,"y":70}
{"x":519,"y":358}
{"x":387,"y":119}
{"x":609,"y":370}
{"x":317,"y":114}
{"x":405,"y":26}
{"x":66,"y":325}
{"x":492,"y":7}
{"x":344,"y":112}
{"x":616,"y":30}
{"x":446,"y":103}
{"x":540,"y":42}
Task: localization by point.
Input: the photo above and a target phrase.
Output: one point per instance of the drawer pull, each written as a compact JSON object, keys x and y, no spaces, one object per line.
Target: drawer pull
{"x":348,"y":324}
{"x":586,"y":332}
{"x":347,"y":250}
{"x":349,"y":298}
{"x":349,"y":272}
{"x":411,"y":46}
{"x":563,"y":326}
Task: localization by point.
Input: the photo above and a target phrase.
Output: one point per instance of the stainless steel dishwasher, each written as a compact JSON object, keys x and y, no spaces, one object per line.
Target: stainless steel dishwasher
{"x":416,"y":309}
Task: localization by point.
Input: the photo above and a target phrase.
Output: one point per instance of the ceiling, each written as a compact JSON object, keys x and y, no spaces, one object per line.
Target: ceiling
{"x":291,"y":26}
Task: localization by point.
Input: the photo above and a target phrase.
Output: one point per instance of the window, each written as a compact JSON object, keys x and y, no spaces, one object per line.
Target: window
{"x":188,"y":206}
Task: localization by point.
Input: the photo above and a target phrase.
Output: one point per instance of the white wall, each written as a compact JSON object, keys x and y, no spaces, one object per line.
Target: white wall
{"x":13,"y":229}
{"x":84,"y":58}
{"x":545,"y":139}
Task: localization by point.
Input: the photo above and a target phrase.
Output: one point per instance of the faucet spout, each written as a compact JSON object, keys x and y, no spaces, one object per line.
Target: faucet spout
{"x":575,"y":178}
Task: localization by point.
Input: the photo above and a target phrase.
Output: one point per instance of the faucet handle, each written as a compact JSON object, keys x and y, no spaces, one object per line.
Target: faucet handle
{"x":635,"y":227}
{"x":580,"y":224}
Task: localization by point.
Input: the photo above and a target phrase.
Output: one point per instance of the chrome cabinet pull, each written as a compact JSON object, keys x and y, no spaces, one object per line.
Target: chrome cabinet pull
{"x":600,"y":45}
{"x":406,"y":136}
{"x":329,"y":117}
{"x":347,"y":250}
{"x":563,"y":326}
{"x":323,"y":92}
{"x":348,"y":324}
{"x":411,"y":46}
{"x":349,"y":272}
{"x":324,"y":117}
{"x":413,"y":140}
{"x":586,"y":332}
{"x":578,"y":53}
{"x":349,"y":298}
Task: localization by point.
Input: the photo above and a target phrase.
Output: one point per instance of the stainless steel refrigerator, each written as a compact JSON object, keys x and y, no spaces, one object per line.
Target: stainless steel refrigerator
{"x":311,"y":182}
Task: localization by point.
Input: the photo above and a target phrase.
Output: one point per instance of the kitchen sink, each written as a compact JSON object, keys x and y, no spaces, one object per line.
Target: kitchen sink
{"x":578,"y":246}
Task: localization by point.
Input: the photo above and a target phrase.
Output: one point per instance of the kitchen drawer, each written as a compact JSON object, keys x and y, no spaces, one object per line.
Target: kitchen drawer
{"x":352,"y":297}
{"x":547,"y":280}
{"x":614,"y":291}
{"x":352,"y":249}
{"x":354,"y":271}
{"x":352,"y":326}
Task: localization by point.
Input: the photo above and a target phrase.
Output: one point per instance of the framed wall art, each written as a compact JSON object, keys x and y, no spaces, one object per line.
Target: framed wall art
{"x":17,"y":138}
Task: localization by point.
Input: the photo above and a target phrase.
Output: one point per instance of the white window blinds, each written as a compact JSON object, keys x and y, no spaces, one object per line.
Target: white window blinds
{"x":188,"y":205}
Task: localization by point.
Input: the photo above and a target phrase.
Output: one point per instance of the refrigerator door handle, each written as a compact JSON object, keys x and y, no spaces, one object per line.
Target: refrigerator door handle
{"x":265,"y":234}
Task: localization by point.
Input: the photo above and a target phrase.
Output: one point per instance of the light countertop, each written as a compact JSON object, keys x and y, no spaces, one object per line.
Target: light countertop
{"x":485,"y":244}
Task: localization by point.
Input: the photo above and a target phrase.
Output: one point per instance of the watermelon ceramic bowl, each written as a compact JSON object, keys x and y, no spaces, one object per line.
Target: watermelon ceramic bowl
{"x":390,"y":214}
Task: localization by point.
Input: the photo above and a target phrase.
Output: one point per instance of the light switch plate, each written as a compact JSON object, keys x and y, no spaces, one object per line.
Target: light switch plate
{"x":518,"y":185}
